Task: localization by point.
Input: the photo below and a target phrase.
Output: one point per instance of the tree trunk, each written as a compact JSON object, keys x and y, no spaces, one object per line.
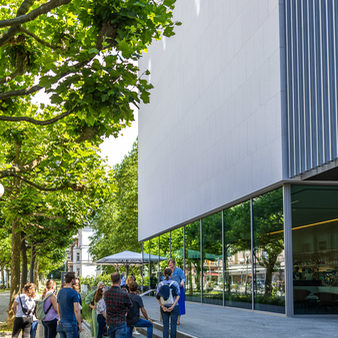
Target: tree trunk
{"x":32,"y":264}
{"x":15,"y":269}
{"x":3,"y":277}
{"x":8,"y":274}
{"x":36,"y":272}
{"x":23,"y":261}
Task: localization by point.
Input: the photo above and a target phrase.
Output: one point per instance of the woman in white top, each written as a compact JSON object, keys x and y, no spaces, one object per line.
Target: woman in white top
{"x":23,"y":307}
{"x":100,"y":311}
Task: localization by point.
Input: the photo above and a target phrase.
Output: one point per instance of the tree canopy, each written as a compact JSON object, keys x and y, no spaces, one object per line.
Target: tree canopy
{"x":81,"y":57}
{"x":81,"y":54}
{"x":115,"y":224}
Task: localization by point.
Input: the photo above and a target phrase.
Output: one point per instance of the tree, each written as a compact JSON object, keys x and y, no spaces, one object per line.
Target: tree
{"x":48,"y":179}
{"x":116,"y":222}
{"x":82,"y":54}
{"x":5,"y":253}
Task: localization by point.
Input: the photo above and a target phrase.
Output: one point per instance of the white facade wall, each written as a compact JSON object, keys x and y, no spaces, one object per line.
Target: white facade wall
{"x":212,"y":131}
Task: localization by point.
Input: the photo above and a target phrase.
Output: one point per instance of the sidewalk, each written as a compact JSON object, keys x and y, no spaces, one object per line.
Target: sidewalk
{"x":204,"y":320}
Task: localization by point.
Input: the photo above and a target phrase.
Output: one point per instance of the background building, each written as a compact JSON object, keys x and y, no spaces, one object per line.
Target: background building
{"x":78,"y":256}
{"x":238,"y":160}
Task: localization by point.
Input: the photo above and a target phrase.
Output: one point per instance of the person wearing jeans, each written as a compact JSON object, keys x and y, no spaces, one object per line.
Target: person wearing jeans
{"x":23,"y":308}
{"x":117,"y":305}
{"x":68,"y":309}
{"x":133,"y":316}
{"x":168,"y":295}
{"x":166,"y":315}
{"x":118,"y":331}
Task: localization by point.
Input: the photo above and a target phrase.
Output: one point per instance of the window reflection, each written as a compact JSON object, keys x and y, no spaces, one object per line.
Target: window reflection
{"x":212,"y":259}
{"x":145,"y":267}
{"x":164,"y":251}
{"x":269,"y":252}
{"x":177,"y":247}
{"x":315,"y":249}
{"x":154,"y":266}
{"x":193,"y":262}
{"x":238,"y":276}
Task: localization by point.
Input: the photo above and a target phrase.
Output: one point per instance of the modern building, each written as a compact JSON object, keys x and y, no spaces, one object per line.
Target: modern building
{"x":79,"y":259}
{"x":238,"y":154}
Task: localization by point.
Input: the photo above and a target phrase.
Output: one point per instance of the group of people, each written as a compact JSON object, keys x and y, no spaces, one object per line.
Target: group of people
{"x":115,"y":310}
{"x":65,"y":306}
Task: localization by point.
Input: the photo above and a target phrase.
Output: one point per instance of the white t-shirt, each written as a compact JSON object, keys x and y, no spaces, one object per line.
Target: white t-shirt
{"x":27,"y":302}
{"x":100,"y":306}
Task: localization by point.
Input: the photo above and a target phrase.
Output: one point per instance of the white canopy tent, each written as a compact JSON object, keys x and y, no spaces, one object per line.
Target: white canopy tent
{"x":127,"y":258}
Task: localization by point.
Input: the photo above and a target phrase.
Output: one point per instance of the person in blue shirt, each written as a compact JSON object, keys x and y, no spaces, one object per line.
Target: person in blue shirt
{"x":68,"y":309}
{"x":178,"y":276}
{"x":169,"y":310}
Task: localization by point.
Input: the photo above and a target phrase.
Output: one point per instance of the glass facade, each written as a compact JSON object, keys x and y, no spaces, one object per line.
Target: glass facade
{"x":164,"y":251}
{"x":145,"y":266}
{"x":177,"y":249}
{"x":268,"y":252}
{"x":236,"y":257}
{"x":212,"y":259}
{"x":315,"y":249}
{"x":154,"y":263}
{"x":237,"y":244}
{"x":193,"y":266}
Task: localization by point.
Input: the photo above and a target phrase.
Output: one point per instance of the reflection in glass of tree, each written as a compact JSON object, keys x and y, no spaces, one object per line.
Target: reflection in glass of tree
{"x":145,"y":267}
{"x":177,"y":247}
{"x":237,"y":239}
{"x":269,"y":264}
{"x":315,"y":249}
{"x":164,"y":250}
{"x":212,"y":259}
{"x":193,"y":262}
{"x":154,"y":268}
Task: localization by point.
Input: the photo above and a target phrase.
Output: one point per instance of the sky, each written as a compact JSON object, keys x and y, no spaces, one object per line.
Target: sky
{"x":116,"y":148}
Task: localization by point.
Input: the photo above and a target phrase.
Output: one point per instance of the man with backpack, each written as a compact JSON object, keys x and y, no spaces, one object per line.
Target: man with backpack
{"x":133,"y":316}
{"x":168,"y":294}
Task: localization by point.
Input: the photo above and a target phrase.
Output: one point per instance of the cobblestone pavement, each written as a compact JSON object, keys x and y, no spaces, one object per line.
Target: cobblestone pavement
{"x":4,"y":299}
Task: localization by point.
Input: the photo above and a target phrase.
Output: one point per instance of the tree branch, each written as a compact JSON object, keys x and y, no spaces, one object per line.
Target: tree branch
{"x":23,"y":9}
{"x":34,"y":121}
{"x":35,"y":37}
{"x":40,"y":214}
{"x":31,"y":90}
{"x":40,"y":187}
{"x":10,"y":77}
{"x":43,"y":9}
{"x":20,"y":92}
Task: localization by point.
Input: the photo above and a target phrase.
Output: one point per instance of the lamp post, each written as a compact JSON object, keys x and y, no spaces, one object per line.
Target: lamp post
{"x":2,"y":190}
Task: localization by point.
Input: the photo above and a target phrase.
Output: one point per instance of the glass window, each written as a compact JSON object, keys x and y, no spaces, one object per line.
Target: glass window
{"x":212,"y":259}
{"x":238,"y":256}
{"x":193,"y":262}
{"x":269,"y":285}
{"x":164,"y":251}
{"x":177,"y":247}
{"x":154,"y":266}
{"x":315,"y":249}
{"x":145,"y":266}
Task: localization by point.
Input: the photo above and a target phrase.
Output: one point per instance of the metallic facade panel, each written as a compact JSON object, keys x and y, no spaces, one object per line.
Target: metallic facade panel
{"x":212,"y":132}
{"x":311,"y":29}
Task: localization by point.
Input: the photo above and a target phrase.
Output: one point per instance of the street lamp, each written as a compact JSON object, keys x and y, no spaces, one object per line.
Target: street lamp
{"x":2,"y":190}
